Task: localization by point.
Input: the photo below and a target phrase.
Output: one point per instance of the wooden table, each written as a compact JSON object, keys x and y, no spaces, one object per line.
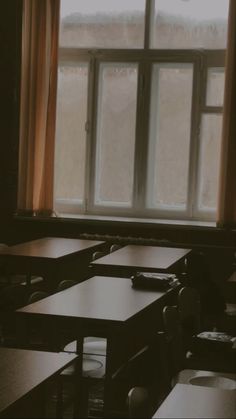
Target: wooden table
{"x":106,"y":307}
{"x":132,"y":258}
{"x":50,"y":257}
{"x":24,"y":374}
{"x":190,"y":401}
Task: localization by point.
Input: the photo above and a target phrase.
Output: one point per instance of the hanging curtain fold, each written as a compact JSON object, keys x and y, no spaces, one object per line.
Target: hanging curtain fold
{"x":226,"y":215}
{"x":38,"y":105}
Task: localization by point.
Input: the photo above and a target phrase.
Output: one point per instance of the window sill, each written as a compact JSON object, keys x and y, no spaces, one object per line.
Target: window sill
{"x":134,"y":220}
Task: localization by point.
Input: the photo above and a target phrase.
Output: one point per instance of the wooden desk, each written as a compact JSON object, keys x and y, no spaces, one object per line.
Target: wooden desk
{"x":22,"y":373}
{"x":189,"y":401}
{"x":132,"y":258}
{"x":106,"y":307}
{"x":49,"y":257}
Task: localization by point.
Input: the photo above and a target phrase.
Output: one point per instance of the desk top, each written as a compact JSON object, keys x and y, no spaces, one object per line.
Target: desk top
{"x":49,"y":247}
{"x":23,"y":370}
{"x":106,"y":299}
{"x":190,"y":401}
{"x":144,"y":257}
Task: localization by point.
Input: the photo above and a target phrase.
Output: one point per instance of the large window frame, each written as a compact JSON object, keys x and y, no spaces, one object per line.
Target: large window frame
{"x":201,"y":60}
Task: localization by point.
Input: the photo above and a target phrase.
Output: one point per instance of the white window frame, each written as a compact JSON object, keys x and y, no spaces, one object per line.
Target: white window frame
{"x":146,"y":57}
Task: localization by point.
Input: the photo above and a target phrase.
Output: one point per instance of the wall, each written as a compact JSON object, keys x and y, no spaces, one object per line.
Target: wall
{"x":10,"y":37}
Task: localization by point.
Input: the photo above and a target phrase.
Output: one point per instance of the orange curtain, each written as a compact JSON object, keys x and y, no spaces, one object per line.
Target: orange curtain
{"x":227,"y":186}
{"x":38,"y":105}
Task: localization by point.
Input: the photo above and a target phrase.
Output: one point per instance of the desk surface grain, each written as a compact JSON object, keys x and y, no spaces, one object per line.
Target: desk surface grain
{"x":108,"y":299}
{"x":49,"y":247}
{"x":144,"y":257}
{"x":189,"y":401}
{"x":21,"y":371}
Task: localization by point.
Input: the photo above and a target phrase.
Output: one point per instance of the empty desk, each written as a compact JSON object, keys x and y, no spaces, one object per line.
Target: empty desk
{"x":190,"y":401}
{"x":24,"y":372}
{"x":106,"y":307}
{"x":133,"y":258}
{"x":49,"y":257}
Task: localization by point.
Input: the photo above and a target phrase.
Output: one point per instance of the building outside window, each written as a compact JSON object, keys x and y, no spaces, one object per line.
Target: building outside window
{"x":139,"y":107}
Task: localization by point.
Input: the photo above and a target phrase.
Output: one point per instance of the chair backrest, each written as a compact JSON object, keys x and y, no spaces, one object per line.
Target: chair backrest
{"x":189,"y":307}
{"x":138,"y":403}
{"x":66,"y":283}
{"x":37,"y":296}
{"x":114,"y":247}
{"x":97,"y":255}
{"x":175,"y":353}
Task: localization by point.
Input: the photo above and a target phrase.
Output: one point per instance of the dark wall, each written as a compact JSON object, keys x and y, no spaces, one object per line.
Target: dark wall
{"x":10,"y":46}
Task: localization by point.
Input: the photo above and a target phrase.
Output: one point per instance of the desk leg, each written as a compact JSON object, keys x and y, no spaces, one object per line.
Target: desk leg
{"x":108,"y":382}
{"x":80,"y":393}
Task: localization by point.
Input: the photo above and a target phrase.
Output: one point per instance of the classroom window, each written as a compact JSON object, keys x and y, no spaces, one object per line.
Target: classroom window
{"x":139,"y":104}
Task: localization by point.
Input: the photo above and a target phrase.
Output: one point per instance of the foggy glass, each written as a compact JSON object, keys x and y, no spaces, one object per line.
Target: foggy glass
{"x":116,"y":120}
{"x":102,"y":23}
{"x":210,"y":140}
{"x":215,"y":87}
{"x":170,"y":125}
{"x":70,"y":132}
{"x":189,"y":24}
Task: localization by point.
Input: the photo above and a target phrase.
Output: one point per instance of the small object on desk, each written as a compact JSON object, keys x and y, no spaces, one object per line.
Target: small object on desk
{"x":216,"y":341}
{"x":155,"y":281}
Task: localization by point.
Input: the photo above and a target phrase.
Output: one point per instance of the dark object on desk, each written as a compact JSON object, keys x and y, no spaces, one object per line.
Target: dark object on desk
{"x":179,"y":367}
{"x":214,"y":341}
{"x":202,"y":352}
{"x":154,"y":281}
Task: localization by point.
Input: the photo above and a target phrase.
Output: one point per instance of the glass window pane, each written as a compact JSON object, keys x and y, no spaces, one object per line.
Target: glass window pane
{"x":215,"y":87}
{"x":116,"y":122}
{"x":189,"y":24}
{"x":70,"y":132}
{"x":102,"y":23}
{"x":170,"y":125}
{"x":210,"y":140}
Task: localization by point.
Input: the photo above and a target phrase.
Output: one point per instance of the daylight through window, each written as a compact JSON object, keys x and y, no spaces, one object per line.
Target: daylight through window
{"x":139,"y":107}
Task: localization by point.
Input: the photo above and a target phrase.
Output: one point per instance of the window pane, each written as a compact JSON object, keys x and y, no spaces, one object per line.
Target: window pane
{"x":169,"y":141}
{"x":116,"y":121}
{"x":102,"y":23}
{"x":210,"y":140}
{"x":190,"y":24}
{"x":70,"y":132}
{"x":215,"y":87}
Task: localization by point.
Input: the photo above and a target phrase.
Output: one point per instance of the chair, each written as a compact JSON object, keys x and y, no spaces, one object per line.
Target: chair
{"x":199,"y":277}
{"x":191,"y":319}
{"x":12,"y":297}
{"x":37,"y":296}
{"x":64,"y":284}
{"x":136,"y":373}
{"x":115,"y":247}
{"x":175,"y":359}
{"x":97,"y":255}
{"x":39,"y":338}
{"x":138,"y":403}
